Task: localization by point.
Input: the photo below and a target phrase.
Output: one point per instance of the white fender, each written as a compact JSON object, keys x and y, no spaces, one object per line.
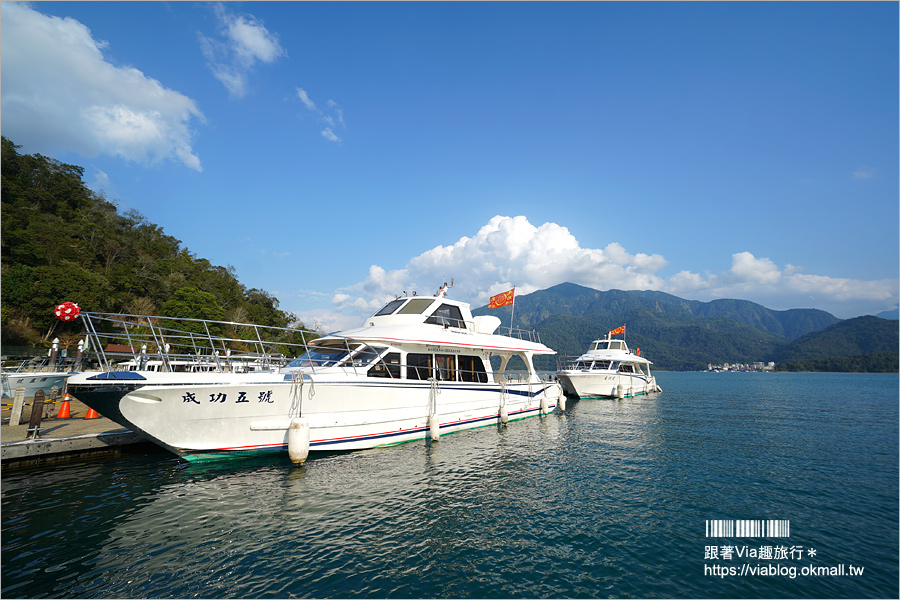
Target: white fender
{"x":298,"y":440}
{"x":434,"y":427}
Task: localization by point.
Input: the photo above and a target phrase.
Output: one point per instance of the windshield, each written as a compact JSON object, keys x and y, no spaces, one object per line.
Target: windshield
{"x":332,"y":356}
{"x":320,"y":357}
{"x":390,"y":307}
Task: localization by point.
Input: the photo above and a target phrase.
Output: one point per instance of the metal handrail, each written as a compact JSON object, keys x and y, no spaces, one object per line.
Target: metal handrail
{"x":527,"y":335}
{"x":167,"y":334}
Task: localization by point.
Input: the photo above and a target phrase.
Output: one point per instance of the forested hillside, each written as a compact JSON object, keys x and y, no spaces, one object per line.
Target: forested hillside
{"x":680,"y":334}
{"x":861,"y":344}
{"x":572,"y":299}
{"x":63,"y":242}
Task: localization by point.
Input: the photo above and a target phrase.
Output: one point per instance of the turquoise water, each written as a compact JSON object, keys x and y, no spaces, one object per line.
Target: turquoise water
{"x":609,"y":499}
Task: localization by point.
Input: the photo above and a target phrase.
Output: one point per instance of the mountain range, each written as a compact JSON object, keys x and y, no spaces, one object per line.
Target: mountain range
{"x":679,"y":334}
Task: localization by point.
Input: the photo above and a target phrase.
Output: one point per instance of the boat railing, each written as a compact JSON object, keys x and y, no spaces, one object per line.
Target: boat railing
{"x":569,"y":363}
{"x":37,"y":364}
{"x":190,"y":344}
{"x":527,"y":335}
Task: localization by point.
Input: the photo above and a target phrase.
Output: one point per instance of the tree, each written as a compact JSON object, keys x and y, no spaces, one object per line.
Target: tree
{"x":191,"y":303}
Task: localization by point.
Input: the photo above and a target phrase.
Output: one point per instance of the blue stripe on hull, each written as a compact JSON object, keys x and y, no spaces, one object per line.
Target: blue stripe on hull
{"x":383,"y":438}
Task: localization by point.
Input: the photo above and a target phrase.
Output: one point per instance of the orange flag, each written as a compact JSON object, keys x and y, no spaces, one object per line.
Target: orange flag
{"x":504,"y":299}
{"x":617,"y":331}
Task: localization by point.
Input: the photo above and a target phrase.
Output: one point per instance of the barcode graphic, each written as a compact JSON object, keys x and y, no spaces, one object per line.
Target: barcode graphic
{"x":748,"y":528}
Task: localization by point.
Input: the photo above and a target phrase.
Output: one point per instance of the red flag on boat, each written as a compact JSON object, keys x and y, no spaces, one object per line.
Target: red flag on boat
{"x":617,"y":331}
{"x":504,"y":299}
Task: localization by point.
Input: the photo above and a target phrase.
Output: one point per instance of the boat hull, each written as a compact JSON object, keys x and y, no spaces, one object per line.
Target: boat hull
{"x":222,"y":414}
{"x":32,"y":382}
{"x":587,"y":384}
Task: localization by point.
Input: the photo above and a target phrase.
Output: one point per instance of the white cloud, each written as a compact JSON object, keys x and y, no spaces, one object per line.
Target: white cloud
{"x":304,"y":97}
{"x":510,"y":251}
{"x":864,"y":172}
{"x":333,"y":118}
{"x":244,"y":41}
{"x":101,"y":181}
{"x":747,"y":269}
{"x":60,"y":93}
{"x":329,"y":135}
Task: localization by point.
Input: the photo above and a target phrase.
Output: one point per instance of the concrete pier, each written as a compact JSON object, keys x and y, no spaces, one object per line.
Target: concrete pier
{"x":61,"y":440}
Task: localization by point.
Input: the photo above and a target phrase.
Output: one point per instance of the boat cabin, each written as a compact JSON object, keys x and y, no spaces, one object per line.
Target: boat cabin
{"x":418,"y":338}
{"x":608,"y":344}
{"x":376,"y":360}
{"x":436,"y":311}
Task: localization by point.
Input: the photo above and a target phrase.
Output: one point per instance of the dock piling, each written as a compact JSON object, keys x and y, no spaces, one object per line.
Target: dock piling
{"x":37,"y":411}
{"x":18,"y":404}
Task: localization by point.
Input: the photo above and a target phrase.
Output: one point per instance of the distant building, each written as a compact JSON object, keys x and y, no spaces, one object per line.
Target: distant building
{"x":757,"y":367}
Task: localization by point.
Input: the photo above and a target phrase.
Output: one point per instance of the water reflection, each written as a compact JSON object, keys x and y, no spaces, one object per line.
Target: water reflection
{"x":608,"y":499}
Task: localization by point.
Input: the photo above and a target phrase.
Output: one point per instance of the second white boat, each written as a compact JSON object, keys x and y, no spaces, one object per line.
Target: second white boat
{"x":607,"y":370}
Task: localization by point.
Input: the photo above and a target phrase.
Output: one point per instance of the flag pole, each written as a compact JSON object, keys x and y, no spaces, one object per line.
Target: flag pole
{"x":513,"y":312}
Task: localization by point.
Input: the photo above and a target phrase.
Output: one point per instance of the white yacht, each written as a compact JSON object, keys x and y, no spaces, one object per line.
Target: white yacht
{"x":419,"y":367}
{"x":607,"y":370}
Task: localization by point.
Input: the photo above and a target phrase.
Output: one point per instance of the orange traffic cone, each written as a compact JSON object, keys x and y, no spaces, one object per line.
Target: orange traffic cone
{"x":64,"y":410}
{"x":92,"y":414}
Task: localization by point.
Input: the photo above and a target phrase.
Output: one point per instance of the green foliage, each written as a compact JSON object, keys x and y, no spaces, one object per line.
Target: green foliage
{"x":191,"y":303}
{"x":63,"y":242}
{"x":853,"y":337}
{"x":876,"y":362}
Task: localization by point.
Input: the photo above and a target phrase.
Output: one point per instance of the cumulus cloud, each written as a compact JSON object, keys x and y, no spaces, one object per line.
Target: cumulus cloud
{"x":510,"y":251}
{"x":60,"y":93}
{"x":242,"y":43}
{"x":333,"y":116}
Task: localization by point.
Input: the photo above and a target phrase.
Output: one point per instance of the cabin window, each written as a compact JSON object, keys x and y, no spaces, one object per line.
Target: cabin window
{"x":445,"y":366}
{"x":601,"y":346}
{"x":446,"y":314}
{"x":418,"y":366}
{"x":390,"y":307}
{"x":602,"y":365}
{"x":626,"y":368}
{"x":388,"y":367}
{"x":471,"y":369}
{"x":363,"y":358}
{"x":416,"y":306}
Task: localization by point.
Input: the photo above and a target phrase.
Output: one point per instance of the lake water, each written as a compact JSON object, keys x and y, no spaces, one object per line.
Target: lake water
{"x":609,"y":499}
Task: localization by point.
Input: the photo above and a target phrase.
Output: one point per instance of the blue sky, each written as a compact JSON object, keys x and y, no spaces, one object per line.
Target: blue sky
{"x":337,"y":153}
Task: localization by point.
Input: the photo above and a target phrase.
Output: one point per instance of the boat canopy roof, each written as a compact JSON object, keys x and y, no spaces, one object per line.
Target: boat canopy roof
{"x":612,"y":349}
{"x":437,"y":320}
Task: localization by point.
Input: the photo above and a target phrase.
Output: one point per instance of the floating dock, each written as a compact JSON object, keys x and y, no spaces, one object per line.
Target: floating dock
{"x":60,"y":440}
